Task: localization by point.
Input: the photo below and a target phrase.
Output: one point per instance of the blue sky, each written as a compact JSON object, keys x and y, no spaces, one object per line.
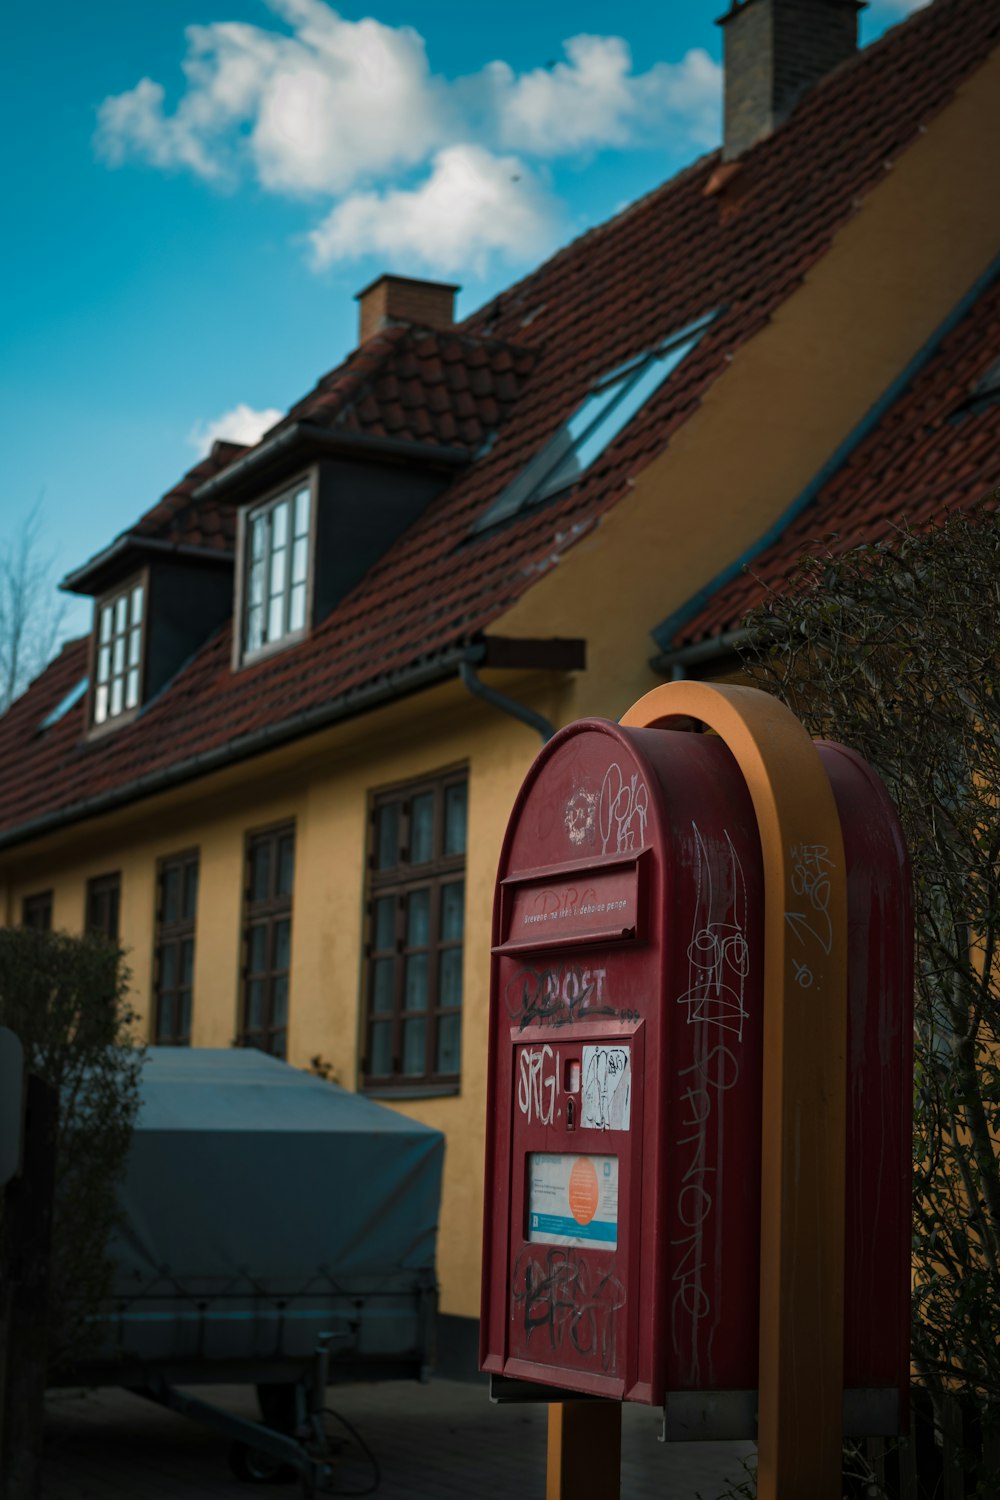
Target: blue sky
{"x":199,"y":187}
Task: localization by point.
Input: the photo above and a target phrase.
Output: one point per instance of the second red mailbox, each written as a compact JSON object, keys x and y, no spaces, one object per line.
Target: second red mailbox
{"x":622,"y":1224}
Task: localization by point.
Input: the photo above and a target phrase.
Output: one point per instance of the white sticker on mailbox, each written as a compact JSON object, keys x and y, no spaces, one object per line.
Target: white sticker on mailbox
{"x":573,"y":1200}
{"x":607,"y":1088}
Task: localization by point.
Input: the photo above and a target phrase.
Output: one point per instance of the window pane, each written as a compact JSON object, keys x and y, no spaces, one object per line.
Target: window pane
{"x":134,"y":647}
{"x":104,"y":664}
{"x":260,"y":872}
{"x":384,"y":927}
{"x":449,"y":1039}
{"x":171,"y":894}
{"x":276,"y":618}
{"x":415,"y":996}
{"x":168,"y":967}
{"x":286,"y":865}
{"x":414,"y":1048}
{"x":382,"y":985}
{"x":184,"y":1026}
{"x":132,"y":688}
{"x":455,"y":805}
{"x":387,"y":836}
{"x":282,"y":944}
{"x":257,"y":949}
{"x":279,"y":564}
{"x":258,"y":531}
{"x":137,"y":602}
{"x":279,"y":525}
{"x":187,"y":961}
{"x":452,"y":911}
{"x":300,"y":560}
{"x":119,"y":654}
{"x":302,"y":512}
{"x":116,"y":696}
{"x":165,"y":1019}
{"x":256,"y":587}
{"x":107,"y":618}
{"x":190,"y":891}
{"x":278,"y":1044}
{"x":450,"y":977}
{"x":297,"y":607}
{"x":280,"y":1015}
{"x":418,"y":919}
{"x":101,"y":706}
{"x":121,"y":614}
{"x":255,"y":1004}
{"x":380,"y":1060}
{"x":255,"y":628}
{"x":422,"y":828}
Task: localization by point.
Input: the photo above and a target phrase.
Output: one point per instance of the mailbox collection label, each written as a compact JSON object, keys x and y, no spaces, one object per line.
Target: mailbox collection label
{"x":573,"y":1200}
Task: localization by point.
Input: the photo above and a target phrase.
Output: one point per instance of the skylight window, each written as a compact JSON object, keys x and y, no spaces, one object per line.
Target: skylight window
{"x":64,"y":705}
{"x":593,"y":427}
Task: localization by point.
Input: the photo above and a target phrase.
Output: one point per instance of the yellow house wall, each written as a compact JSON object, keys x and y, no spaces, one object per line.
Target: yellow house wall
{"x":787,"y":400}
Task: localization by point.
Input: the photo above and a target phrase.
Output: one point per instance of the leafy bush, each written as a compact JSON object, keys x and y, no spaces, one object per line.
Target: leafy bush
{"x":894,"y":649}
{"x":67,"y":999}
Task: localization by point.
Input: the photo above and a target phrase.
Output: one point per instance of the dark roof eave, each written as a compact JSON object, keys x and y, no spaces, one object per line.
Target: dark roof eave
{"x":85,"y":580}
{"x":676,"y":663}
{"x":346,"y":706}
{"x":308,"y":436}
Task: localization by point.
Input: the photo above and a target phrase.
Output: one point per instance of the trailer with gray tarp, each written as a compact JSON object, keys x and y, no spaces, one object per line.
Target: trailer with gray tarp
{"x":277,"y":1231}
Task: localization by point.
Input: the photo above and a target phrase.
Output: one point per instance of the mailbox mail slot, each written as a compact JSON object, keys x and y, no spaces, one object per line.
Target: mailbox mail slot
{"x":622,"y":1216}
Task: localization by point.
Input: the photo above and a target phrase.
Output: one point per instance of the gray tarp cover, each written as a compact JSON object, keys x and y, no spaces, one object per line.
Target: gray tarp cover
{"x":245,"y":1172}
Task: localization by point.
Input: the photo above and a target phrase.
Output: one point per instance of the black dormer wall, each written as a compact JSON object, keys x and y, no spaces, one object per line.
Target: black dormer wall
{"x":363,"y":508}
{"x":187,"y":602}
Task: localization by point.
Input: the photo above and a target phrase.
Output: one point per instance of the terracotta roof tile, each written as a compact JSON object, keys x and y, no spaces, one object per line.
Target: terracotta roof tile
{"x":934,"y":450}
{"x":666,"y":260}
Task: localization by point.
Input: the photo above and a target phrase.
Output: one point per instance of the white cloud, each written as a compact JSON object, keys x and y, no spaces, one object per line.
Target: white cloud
{"x":472,"y":205}
{"x":314,"y":112}
{"x":594,"y":99}
{"x":350,"y":110}
{"x":241,"y":425}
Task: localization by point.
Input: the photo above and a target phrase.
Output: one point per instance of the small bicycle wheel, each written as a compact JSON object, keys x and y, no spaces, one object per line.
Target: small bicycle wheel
{"x":255,"y":1467}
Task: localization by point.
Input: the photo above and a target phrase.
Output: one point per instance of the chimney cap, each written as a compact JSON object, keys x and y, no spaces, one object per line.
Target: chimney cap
{"x":446,"y":286}
{"x":736,"y":6}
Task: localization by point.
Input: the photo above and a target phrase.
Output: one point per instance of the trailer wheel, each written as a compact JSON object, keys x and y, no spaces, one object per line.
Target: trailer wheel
{"x":255,"y":1467}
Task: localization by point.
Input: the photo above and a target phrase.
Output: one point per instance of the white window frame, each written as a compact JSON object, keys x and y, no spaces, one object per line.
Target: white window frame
{"x":282,"y":602}
{"x":119,"y":653}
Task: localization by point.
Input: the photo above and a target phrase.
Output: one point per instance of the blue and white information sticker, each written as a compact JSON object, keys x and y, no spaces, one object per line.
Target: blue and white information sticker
{"x":573,"y":1200}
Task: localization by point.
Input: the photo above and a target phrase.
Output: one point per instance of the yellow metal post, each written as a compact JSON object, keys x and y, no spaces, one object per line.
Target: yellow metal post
{"x":585,"y":1451}
{"x":804,"y":1087}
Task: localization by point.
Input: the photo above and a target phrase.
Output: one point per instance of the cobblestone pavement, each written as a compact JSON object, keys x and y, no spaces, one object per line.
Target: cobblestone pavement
{"x":441,"y":1440}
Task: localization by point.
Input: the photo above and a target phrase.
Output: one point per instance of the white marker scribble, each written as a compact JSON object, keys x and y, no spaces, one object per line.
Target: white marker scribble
{"x":537,"y":1085}
{"x":622,"y":811}
{"x":580,"y":816}
{"x":811,"y":867}
{"x":718,"y":955}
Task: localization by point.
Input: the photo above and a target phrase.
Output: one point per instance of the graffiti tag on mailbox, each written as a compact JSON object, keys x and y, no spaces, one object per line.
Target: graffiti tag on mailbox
{"x":561,"y":1293}
{"x":556,"y":996}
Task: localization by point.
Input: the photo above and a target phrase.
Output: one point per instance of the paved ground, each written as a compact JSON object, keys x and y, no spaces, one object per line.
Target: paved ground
{"x":441,"y":1440}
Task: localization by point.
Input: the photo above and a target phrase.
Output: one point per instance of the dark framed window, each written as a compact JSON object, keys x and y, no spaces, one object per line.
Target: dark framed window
{"x":277,"y":543}
{"x":103,"y":903}
{"x":118,"y":653}
{"x":173,"y":959}
{"x":415,"y":913}
{"x":267,"y":939}
{"x":36,"y":912}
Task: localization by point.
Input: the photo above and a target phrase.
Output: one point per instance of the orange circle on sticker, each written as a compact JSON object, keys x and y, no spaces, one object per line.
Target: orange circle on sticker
{"x":583,"y":1190}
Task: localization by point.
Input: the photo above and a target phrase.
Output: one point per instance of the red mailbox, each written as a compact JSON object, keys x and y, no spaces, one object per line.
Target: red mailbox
{"x":622,"y":1218}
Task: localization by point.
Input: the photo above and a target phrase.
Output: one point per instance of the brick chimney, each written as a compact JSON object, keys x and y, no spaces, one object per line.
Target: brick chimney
{"x":401,"y":299}
{"x":774,"y":50}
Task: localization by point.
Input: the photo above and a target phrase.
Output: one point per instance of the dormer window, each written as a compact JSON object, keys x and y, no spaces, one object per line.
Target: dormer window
{"x":277,"y":556}
{"x":118,"y":652}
